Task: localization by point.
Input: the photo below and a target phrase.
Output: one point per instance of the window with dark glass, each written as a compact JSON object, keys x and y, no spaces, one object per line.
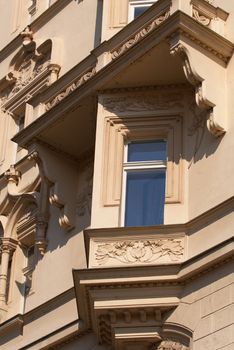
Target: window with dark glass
{"x":144,"y":183}
{"x":137,"y":7}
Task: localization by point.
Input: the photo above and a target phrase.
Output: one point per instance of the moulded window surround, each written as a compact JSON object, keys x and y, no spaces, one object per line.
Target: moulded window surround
{"x":137,"y":7}
{"x":143,"y":188}
{"x":37,"y":7}
{"x":119,"y":131}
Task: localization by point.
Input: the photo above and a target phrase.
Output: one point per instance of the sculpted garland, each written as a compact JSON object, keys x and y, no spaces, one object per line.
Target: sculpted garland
{"x":140,"y":35}
{"x":80,"y":81}
{"x":169,"y":345}
{"x":140,"y":251}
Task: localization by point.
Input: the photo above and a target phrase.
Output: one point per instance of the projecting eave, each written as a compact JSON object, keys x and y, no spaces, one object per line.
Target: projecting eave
{"x":174,"y":42}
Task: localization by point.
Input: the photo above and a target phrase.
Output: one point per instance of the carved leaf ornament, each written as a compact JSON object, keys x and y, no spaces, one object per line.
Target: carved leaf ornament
{"x":170,"y":345}
{"x":140,"y":251}
{"x":140,"y":35}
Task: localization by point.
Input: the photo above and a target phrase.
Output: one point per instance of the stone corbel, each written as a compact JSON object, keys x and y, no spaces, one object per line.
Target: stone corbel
{"x":208,"y":76}
{"x":60,"y":176}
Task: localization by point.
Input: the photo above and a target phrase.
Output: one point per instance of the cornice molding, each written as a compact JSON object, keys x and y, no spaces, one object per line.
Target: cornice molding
{"x":15,"y":323}
{"x":160,"y":275}
{"x":112,"y":297}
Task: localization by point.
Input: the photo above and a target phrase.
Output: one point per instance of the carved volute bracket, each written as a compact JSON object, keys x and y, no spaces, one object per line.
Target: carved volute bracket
{"x":57,"y":186}
{"x":177,"y":47}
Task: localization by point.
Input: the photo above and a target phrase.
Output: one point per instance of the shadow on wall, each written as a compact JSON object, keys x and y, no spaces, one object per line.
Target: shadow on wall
{"x":201,"y":143}
{"x":98,"y":23}
{"x":56,"y":236}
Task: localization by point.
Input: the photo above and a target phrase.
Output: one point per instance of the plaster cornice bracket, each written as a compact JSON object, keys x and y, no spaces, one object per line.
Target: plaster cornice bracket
{"x":180,"y":50}
{"x":59,"y":190}
{"x":201,"y":84}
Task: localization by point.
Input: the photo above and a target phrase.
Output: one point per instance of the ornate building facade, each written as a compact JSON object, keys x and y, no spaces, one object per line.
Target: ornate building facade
{"x":116,"y":131}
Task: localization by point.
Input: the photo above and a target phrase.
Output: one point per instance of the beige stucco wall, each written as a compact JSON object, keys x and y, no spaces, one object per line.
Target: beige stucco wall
{"x":203,"y":181}
{"x":73,"y":45}
{"x":210,"y":302}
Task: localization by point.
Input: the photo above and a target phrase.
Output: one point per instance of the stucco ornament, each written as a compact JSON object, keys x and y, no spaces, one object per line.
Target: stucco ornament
{"x":201,"y":18}
{"x":140,"y":251}
{"x":169,"y":345}
{"x":143,"y":102}
{"x":140,"y":35}
{"x":76,"y":84}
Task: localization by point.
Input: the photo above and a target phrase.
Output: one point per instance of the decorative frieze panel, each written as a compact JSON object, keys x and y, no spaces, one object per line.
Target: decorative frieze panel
{"x":139,"y":251}
{"x":169,"y":345}
{"x":154,"y":100}
{"x":130,"y":247}
{"x":68,"y":90}
{"x":140,"y":35}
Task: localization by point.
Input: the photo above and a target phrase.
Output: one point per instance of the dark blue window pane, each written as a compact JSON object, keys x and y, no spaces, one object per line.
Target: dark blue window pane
{"x":145,"y":198}
{"x":143,"y":151}
{"x":139,"y":10}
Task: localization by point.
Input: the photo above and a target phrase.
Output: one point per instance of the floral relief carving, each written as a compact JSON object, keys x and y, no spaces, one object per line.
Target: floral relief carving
{"x":169,"y":345}
{"x":28,"y":64}
{"x":32,"y":68}
{"x":80,"y":81}
{"x":140,"y":35}
{"x":137,"y":251}
{"x":141,"y":103}
{"x":27,"y":71}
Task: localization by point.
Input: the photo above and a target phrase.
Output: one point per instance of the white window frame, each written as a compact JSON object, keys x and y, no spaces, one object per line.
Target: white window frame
{"x":137,"y":3}
{"x":139,"y":166}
